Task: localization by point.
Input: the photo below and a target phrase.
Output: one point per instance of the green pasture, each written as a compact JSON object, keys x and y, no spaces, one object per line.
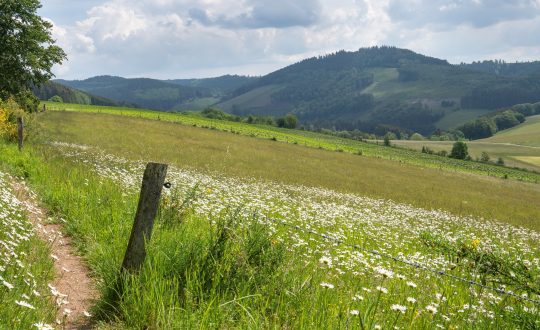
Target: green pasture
{"x":242,"y":156}
{"x":513,"y":155}
{"x":456,"y":118}
{"x":311,"y":139}
{"x":527,"y":134}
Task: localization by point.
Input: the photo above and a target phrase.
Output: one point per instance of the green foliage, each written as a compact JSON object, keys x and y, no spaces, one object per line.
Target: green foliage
{"x":218,"y":114}
{"x":485,"y":157}
{"x":56,"y":98}
{"x":219,"y":85}
{"x":493,"y":269}
{"x":503,"y":93}
{"x":417,"y":137}
{"x":289,"y":121}
{"x":27,"y":50}
{"x":479,"y":129}
{"x":459,"y":150}
{"x":490,"y":124}
{"x":502,"y":68}
{"x":143,"y":92}
{"x":69,"y":95}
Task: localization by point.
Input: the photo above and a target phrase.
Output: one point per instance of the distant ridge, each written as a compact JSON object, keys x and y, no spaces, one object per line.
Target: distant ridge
{"x":375,"y":89}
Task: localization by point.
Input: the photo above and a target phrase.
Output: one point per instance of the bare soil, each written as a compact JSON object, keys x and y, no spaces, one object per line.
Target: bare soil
{"x":73,"y":288}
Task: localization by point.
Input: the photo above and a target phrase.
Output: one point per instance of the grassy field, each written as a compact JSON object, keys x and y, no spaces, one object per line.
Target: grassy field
{"x":216,"y":261}
{"x":527,"y":134}
{"x":456,"y":118}
{"x":314,"y":140}
{"x":513,"y":155}
{"x":242,"y":156}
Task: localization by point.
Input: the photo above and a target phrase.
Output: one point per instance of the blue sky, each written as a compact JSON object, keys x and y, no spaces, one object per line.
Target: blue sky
{"x":205,"y":38}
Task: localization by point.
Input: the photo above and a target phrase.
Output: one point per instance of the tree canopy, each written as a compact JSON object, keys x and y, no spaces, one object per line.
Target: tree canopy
{"x":27,"y":50}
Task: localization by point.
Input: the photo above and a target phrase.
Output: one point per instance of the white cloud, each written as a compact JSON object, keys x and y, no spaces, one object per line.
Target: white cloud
{"x":182,"y":38}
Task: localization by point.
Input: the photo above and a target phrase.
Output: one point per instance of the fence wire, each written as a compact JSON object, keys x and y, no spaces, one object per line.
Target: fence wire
{"x":402,"y":261}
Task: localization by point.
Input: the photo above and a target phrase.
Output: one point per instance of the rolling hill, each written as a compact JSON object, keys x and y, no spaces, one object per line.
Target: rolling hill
{"x":72,"y":95}
{"x":375,"y":88}
{"x":165,"y":95}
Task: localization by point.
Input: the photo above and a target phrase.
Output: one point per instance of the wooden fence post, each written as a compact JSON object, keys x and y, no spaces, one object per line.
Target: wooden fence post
{"x":152,"y":185}
{"x":20,"y":132}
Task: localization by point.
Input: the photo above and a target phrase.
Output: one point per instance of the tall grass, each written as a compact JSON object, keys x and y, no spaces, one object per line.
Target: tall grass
{"x":244,"y":157}
{"x":233,"y":271}
{"x":25,"y":266}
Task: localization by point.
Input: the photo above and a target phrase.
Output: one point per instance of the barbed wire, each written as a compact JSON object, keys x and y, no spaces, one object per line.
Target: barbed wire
{"x":402,"y":261}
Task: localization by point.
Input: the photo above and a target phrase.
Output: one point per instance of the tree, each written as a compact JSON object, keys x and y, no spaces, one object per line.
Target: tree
{"x":459,"y":150}
{"x":289,"y":121}
{"x":56,"y":98}
{"x":27,"y":50}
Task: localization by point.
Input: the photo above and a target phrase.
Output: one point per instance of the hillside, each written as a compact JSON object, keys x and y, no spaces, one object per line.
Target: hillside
{"x":377,"y":89}
{"x":223,"y":85}
{"x":503,"y":68}
{"x":527,"y":134}
{"x":143,"y":92}
{"x":381,"y":86}
{"x":253,"y":232}
{"x":165,"y":95}
{"x":71,"y":95}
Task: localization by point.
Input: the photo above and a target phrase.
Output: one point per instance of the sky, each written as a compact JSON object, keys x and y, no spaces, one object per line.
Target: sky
{"x":168,"y":39}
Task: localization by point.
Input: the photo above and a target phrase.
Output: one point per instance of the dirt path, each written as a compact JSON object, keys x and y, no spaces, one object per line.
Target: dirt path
{"x":73,"y":287}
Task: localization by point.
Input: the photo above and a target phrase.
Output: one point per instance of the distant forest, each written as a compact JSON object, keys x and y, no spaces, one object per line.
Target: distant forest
{"x":374,"y":89}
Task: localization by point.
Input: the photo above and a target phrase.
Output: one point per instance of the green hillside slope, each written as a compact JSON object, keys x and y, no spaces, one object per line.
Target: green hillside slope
{"x":219,"y":85}
{"x":71,"y":95}
{"x":435,"y":186}
{"x":143,"y":92}
{"x":381,"y":86}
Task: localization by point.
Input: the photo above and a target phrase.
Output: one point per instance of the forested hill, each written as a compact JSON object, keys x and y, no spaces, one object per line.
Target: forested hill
{"x":60,"y":93}
{"x":144,"y":92}
{"x":503,"y":68}
{"x":381,"y":88}
{"x":222,"y":85}
{"x":376,"y":89}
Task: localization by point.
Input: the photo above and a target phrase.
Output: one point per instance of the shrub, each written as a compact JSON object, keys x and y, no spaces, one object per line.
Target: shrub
{"x":9,"y":111}
{"x":56,"y":98}
{"x":485,"y":157}
{"x":459,"y":150}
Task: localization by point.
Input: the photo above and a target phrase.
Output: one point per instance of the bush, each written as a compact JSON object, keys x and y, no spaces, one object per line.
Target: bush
{"x":417,"y":137}
{"x":56,"y":98}
{"x":289,"y":121}
{"x":459,"y":150}
{"x":9,"y":112}
{"x":485,"y":157}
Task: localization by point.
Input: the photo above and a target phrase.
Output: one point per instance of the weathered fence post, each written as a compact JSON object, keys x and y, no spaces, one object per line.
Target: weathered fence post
{"x":20,"y":132}
{"x":152,"y":185}
{"x":44,"y":108}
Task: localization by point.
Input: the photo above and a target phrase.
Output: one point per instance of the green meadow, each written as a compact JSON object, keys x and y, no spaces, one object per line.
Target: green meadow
{"x":245,"y":156}
{"x":269,"y":228}
{"x":310,"y":139}
{"x":524,"y":134}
